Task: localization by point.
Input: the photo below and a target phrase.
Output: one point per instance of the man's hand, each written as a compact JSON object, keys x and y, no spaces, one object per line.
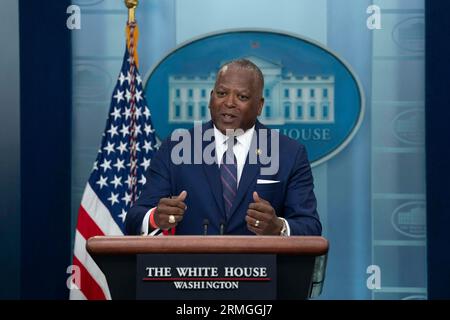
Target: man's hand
{"x":167,"y":207}
{"x":262,"y":211}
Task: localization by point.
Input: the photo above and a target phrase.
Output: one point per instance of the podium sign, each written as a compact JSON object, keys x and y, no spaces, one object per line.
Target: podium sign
{"x":206,"y":276}
{"x":211,"y":267}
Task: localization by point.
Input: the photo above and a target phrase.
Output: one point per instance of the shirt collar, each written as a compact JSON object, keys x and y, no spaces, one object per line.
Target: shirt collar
{"x":245,"y":139}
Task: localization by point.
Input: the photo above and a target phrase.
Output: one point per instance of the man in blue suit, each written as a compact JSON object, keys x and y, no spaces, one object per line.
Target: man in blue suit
{"x":237,"y":193}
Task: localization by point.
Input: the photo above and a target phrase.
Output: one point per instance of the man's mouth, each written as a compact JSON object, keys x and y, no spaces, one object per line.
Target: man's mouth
{"x":228,"y":117}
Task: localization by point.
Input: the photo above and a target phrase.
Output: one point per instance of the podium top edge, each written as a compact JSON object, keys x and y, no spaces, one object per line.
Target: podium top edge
{"x":128,"y":245}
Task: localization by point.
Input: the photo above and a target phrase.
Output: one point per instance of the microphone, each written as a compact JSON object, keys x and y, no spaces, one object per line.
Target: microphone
{"x":222,"y":226}
{"x":205,"y":226}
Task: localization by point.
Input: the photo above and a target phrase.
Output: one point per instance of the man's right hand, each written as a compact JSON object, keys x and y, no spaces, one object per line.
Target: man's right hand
{"x":167,"y":207}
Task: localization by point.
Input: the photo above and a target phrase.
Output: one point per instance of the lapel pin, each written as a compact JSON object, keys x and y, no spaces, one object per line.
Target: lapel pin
{"x":258,"y":152}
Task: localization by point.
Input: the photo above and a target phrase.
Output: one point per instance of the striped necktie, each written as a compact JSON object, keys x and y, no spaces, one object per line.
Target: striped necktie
{"x":228,"y":175}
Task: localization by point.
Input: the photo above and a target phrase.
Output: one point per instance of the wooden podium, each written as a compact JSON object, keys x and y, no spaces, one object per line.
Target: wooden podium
{"x":299,"y":272}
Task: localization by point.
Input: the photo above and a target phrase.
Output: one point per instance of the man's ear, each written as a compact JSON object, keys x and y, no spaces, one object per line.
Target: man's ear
{"x":261,"y":104}
{"x":210,"y":98}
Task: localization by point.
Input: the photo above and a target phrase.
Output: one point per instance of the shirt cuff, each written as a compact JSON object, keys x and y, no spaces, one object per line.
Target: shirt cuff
{"x":288,"y":229}
{"x":145,"y":223}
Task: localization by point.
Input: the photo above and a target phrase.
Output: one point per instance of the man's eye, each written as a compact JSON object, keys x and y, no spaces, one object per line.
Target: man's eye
{"x":220,"y":93}
{"x":243,"y":97}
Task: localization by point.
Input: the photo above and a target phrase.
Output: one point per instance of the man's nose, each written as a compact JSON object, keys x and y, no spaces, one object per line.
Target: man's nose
{"x":230,"y":101}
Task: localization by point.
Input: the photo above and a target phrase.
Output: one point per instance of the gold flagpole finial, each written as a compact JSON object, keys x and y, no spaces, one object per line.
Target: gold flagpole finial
{"x":131,"y":5}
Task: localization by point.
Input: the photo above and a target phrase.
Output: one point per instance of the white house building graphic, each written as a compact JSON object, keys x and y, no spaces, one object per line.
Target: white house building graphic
{"x":289,"y":98}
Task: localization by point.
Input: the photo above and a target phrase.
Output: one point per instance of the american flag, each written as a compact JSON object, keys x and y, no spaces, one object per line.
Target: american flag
{"x":127,"y":147}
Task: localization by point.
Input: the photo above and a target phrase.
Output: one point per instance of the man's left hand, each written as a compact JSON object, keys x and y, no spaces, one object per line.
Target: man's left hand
{"x":261,"y":217}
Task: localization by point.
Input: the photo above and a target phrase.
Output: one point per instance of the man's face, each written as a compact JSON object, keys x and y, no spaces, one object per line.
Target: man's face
{"x":236,"y":99}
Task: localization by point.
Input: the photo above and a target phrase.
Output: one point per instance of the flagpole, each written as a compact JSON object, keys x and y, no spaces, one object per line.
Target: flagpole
{"x":131,"y":5}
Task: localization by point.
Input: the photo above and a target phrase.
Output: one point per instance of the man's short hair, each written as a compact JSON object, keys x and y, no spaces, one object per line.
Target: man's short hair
{"x":246,"y":64}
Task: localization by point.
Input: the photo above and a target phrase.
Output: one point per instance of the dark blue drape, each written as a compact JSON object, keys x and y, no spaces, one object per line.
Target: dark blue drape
{"x":45,"y":81}
{"x":438,"y":147}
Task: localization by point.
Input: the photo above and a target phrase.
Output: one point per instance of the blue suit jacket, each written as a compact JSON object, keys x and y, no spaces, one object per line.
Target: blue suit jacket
{"x":292,"y":198}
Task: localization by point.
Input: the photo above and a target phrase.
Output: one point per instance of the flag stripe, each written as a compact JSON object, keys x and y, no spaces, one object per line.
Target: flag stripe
{"x":99,"y":213}
{"x":89,"y":287}
{"x":90,"y":267}
{"x":76,"y":294}
{"x":86,"y":226}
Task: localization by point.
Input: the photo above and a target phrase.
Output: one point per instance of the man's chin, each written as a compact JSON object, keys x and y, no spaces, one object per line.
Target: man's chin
{"x":223,"y":127}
